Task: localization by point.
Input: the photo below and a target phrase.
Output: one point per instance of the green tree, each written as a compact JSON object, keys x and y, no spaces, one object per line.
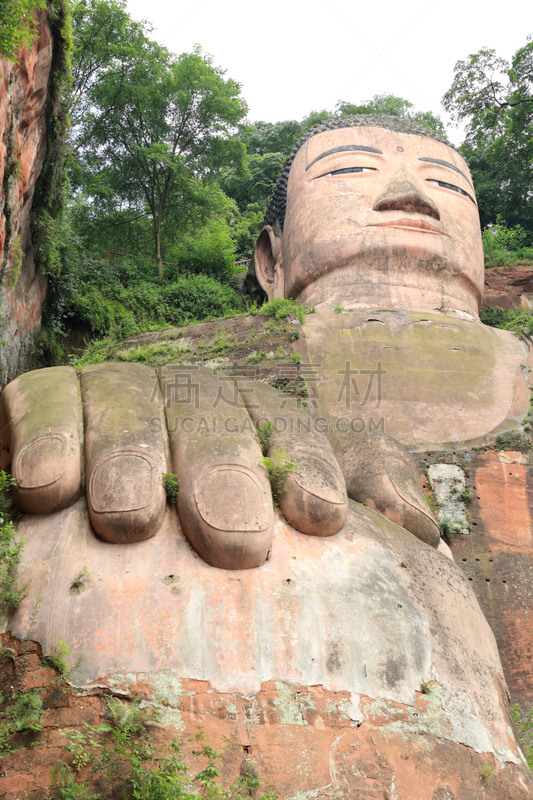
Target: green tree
{"x":108,"y":44}
{"x":268,"y":145}
{"x":158,"y":138}
{"x":17,"y":25}
{"x":394,"y":106}
{"x":495,"y":98}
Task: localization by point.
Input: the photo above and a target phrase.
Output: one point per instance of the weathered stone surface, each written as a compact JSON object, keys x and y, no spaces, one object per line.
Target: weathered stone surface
{"x":42,"y":415}
{"x":367,"y":612}
{"x":22,"y":150}
{"x":443,"y":380}
{"x":334,"y":641}
{"x":126,"y":455}
{"x":306,"y":742}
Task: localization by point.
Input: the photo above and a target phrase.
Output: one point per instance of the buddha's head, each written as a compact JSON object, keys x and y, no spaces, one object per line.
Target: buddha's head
{"x":374,"y":212}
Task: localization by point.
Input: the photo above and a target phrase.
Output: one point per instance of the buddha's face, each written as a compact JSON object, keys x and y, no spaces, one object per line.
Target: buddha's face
{"x":377,"y":218}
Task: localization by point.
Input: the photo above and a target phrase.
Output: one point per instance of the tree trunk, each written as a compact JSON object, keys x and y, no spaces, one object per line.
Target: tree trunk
{"x":158,"y":259}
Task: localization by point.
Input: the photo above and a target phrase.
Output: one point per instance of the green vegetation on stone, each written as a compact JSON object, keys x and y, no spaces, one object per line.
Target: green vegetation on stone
{"x":279,"y":466}
{"x":123,"y":756}
{"x":516,"y":320}
{"x":264,"y":434}
{"x":11,"y":545}
{"x":172,"y":485}
{"x":17,"y":26}
{"x":282,"y":307}
{"x":504,"y":246}
{"x":525,"y":733}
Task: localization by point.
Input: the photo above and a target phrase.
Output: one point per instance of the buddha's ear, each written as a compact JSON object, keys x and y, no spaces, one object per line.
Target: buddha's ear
{"x":268,"y":261}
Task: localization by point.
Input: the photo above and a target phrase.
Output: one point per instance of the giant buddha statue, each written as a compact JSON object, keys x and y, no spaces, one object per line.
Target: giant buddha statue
{"x":346,"y":591}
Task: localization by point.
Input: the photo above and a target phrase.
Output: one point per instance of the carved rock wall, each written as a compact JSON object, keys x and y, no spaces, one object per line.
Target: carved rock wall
{"x":313,"y":664}
{"x":308,"y":742}
{"x":508,"y":287}
{"x":23,"y":91}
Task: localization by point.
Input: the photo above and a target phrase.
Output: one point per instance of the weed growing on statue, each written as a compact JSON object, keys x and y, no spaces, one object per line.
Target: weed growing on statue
{"x":10,"y":551}
{"x":60,"y":658}
{"x":256,"y":357}
{"x":433,"y":506}
{"x":466,"y":495}
{"x":121,"y":755}
{"x":279,"y":467}
{"x":448,"y":528}
{"x":281,"y":307}
{"x":444,"y":304}
{"x":172,"y":485}
{"x":487,"y":773}
{"x":22,"y":711}
{"x":525,"y":733}
{"x":264,"y":434}
{"x":425,"y":687}
{"x":78,"y":584}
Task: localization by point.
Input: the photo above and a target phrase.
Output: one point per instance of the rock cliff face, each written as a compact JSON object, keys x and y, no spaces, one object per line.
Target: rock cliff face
{"x":23,"y":93}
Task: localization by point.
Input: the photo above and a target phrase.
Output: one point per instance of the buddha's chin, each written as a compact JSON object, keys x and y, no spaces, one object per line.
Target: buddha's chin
{"x":401,"y":280}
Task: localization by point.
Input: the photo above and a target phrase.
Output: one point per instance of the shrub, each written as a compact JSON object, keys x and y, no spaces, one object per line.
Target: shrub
{"x":505,"y":247}
{"x":282,"y":307}
{"x":516,"y":320}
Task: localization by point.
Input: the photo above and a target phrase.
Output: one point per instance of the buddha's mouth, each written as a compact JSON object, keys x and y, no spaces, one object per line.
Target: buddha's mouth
{"x":419,"y":225}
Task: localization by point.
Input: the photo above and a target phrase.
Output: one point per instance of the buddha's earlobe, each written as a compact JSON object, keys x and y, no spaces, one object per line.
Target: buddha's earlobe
{"x":268,"y":260}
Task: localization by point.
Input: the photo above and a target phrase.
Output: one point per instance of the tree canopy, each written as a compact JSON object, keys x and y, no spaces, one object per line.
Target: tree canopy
{"x":151,"y":131}
{"x":495,"y":98}
{"x":395,"y":107}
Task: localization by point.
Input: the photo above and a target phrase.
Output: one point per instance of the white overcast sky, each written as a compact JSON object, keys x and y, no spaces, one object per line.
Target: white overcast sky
{"x":296,"y":56}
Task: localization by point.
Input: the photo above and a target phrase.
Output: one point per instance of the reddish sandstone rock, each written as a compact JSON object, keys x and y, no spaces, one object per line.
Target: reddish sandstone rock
{"x":497,"y":559}
{"x":23,"y":91}
{"x":508,"y":288}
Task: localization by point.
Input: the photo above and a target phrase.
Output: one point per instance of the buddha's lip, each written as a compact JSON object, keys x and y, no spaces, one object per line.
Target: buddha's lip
{"x":419,"y":225}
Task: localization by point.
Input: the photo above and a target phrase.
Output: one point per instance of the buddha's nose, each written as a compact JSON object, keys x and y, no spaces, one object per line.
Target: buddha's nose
{"x":403,"y":195}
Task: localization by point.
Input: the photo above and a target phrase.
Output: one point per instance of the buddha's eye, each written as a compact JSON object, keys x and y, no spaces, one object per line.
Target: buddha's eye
{"x":452,"y":187}
{"x":347,"y":171}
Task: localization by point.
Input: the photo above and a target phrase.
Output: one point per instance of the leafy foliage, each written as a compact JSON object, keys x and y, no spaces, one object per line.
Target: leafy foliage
{"x":516,"y":320}
{"x":525,"y":733}
{"x":264,"y":433}
{"x":52,"y":187}
{"x":122,"y":755}
{"x":154,"y":138}
{"x":279,"y":466}
{"x":495,"y":98}
{"x":395,"y":107}
{"x":17,"y":26}
{"x":124,"y":297}
{"x":504,"y":246}
{"x":282,"y":307}
{"x":60,"y":656}
{"x":27,"y":712}
{"x":10,"y":551}
{"x":172,"y":485}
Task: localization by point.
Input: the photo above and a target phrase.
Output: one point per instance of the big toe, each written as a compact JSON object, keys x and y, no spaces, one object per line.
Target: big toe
{"x":227,"y":515}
